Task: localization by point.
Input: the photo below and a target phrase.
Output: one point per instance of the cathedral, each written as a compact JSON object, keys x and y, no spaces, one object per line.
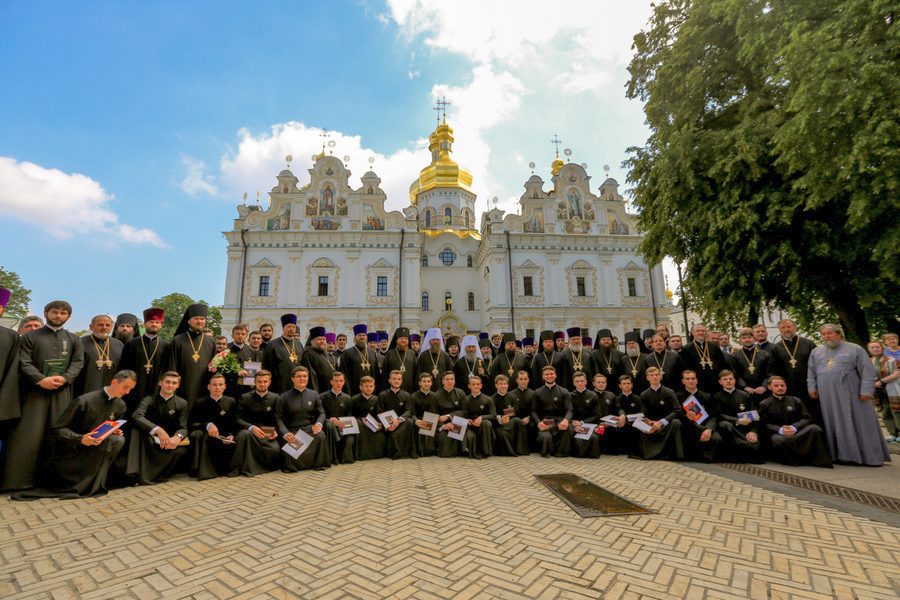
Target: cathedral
{"x":327,"y":250}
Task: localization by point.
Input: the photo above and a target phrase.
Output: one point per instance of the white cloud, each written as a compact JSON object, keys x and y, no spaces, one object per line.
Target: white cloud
{"x":63,"y":204}
{"x":196,"y":180}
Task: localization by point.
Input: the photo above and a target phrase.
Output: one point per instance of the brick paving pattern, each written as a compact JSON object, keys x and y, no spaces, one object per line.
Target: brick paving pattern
{"x":442,"y":528}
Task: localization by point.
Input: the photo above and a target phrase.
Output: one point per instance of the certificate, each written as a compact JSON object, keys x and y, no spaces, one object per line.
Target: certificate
{"x":387,"y":418}
{"x":251,"y":367}
{"x":610,"y":421}
{"x":372,"y":423}
{"x":300,"y":446}
{"x":351,"y":426}
{"x":693,"y":405}
{"x":643,"y":424}
{"x":105,"y":429}
{"x":461,"y":424}
{"x":585,"y":431}
{"x":432,"y":420}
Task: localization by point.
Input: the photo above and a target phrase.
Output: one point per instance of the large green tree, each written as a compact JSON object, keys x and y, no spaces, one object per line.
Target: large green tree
{"x":772,"y":166}
{"x":175,"y":304}
{"x":21,"y":296}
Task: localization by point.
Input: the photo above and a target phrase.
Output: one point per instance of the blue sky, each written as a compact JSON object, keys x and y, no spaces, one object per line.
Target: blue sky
{"x":129,"y":131}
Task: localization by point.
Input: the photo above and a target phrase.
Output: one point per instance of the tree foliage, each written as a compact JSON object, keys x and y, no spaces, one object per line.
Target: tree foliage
{"x":21,"y":296}
{"x":175,"y":304}
{"x":772,"y":166}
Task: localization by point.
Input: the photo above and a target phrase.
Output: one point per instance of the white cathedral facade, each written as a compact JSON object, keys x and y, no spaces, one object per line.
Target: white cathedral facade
{"x":327,"y":250}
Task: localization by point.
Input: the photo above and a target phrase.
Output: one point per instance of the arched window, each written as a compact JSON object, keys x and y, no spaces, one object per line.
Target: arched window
{"x":448,"y":301}
{"x":471,"y":300}
{"x":448,"y":215}
{"x":427,"y":218}
{"x":448,"y":256}
{"x":424,"y":260}
{"x":467,"y":218}
{"x":425,"y":301}
{"x":469,"y":260}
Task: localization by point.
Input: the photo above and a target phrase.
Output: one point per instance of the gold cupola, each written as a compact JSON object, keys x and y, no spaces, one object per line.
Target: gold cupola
{"x":556,"y":165}
{"x":443,"y":172}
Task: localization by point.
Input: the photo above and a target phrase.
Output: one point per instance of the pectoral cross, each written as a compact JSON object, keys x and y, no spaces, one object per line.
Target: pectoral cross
{"x":196,"y":356}
{"x":793,"y":362}
{"x":148,"y":367}
{"x":752,"y":369}
{"x":830,"y":362}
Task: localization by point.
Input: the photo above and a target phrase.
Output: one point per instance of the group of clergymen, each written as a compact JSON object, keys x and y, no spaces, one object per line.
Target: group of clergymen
{"x":291,"y":406}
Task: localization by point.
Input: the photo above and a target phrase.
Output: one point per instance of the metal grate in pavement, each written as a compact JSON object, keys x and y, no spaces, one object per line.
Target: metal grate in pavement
{"x":821,"y":487}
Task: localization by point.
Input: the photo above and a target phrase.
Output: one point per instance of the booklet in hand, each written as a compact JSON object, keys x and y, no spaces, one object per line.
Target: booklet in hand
{"x":251,"y":367}
{"x":692,"y":405}
{"x":54,"y":366}
{"x":643,"y":424}
{"x":749,"y":414}
{"x":432,"y":420}
{"x":461,"y":424}
{"x":226,"y":439}
{"x":584,"y":431}
{"x":610,"y":421}
{"x":387,"y":418}
{"x":299,"y":447}
{"x":105,"y":429}
{"x":351,"y":426}
{"x":509,"y":411}
{"x":634,"y":417}
{"x":269,"y":431}
{"x":372,"y":423}
{"x":183,"y":442}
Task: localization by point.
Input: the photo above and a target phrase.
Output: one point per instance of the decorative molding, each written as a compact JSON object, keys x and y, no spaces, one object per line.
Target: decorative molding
{"x":262,"y":268}
{"x":322,"y":266}
{"x":536,"y":272}
{"x":633,"y":270}
{"x":381,"y":267}
{"x":581,"y":268}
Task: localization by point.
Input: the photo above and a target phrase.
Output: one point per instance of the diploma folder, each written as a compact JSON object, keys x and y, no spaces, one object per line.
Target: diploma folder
{"x":643,"y":424}
{"x":351,"y":426}
{"x":296,"y":449}
{"x":463,"y":424}
{"x":54,"y":366}
{"x":432,"y":419}
{"x":105,"y":429}
{"x":749,"y":414}
{"x":693,"y":405}
{"x":387,"y":418}
{"x":588,"y":431}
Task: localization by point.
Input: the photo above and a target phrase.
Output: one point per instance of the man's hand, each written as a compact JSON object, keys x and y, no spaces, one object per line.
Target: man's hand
{"x":760,"y":390}
{"x":563,"y":425}
{"x":749,"y":389}
{"x":163,"y":437}
{"x":504,"y":419}
{"x":526,"y":420}
{"x":212,"y":431}
{"x":814,"y":394}
{"x":443,"y":418}
{"x":789,"y":430}
{"x":88,"y":440}
{"x":257,"y":431}
{"x":865,"y":397}
{"x":622,"y":420}
{"x":316,"y":429}
{"x":476,"y":422}
{"x":691,"y":415}
{"x":706,"y":435}
{"x":657,"y":425}
{"x":49,"y":383}
{"x":752,"y":438}
{"x":172,"y":442}
{"x":337,"y":423}
{"x":744,"y":422}
{"x":290,"y":438}
{"x":542,"y":426}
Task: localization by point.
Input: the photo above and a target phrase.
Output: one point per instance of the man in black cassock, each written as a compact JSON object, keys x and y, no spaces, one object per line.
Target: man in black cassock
{"x":510,"y":361}
{"x":523,"y":397}
{"x":77,"y":462}
{"x":399,"y":357}
{"x":213,"y":428}
{"x":301,"y":408}
{"x":790,"y":359}
{"x":667,"y":361}
{"x":244,"y":353}
{"x":450,"y":403}
{"x":423,"y":400}
{"x":793,"y":439}
{"x":381,"y":346}
{"x":256,"y":448}
{"x":338,"y":404}
{"x":586,"y":410}
{"x":125,"y":327}
{"x":608,"y":360}
{"x":452,"y":345}
{"x":319,"y":361}
{"x":634,"y":363}
{"x":511,"y":434}
{"x":740,"y":434}
{"x":371,"y":442}
{"x":704,"y":358}
{"x":102,"y":353}
{"x":282,"y":355}
{"x":432,"y":358}
{"x":190,"y":352}
{"x":161,"y":427}
{"x":359,"y":361}
{"x":575,"y":358}
{"x":547,"y":355}
{"x":10,"y":407}
{"x":752,"y":366}
{"x":701,"y":440}
{"x":623,"y":439}
{"x":559,"y":338}
{"x":552,"y":413}
{"x":479,"y":410}
{"x":143,"y":354}
{"x":470,"y":363}
{"x":399,"y":433}
{"x":50,"y":359}
{"x":661,"y":409}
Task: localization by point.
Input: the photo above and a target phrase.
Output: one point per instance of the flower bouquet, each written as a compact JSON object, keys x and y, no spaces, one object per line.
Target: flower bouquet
{"x":225,"y":362}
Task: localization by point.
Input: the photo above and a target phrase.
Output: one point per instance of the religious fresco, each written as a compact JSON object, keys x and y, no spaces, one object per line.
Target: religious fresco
{"x":615,"y":226}
{"x":371,"y":221}
{"x":281,"y":221}
{"x":535,"y":224}
{"x":325,"y":223}
{"x":573,"y":201}
{"x":326,"y":203}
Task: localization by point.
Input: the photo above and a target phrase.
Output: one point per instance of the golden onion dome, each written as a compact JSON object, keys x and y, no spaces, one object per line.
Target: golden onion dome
{"x":669,"y":294}
{"x":556,"y":165}
{"x":443,"y":172}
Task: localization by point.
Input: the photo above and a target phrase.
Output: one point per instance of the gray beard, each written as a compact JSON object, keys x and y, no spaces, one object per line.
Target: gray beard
{"x":101,"y":336}
{"x":471,"y":355}
{"x":832,"y":344}
{"x":632,"y":352}
{"x":576,"y":348}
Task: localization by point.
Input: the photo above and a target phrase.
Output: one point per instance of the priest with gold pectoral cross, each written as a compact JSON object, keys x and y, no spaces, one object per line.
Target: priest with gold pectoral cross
{"x":190,"y":353}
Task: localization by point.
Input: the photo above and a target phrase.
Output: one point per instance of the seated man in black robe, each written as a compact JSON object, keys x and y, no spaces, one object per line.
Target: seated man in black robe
{"x":371,"y":441}
{"x":450,"y":403}
{"x":523,"y":396}
{"x":158,"y":440}
{"x":793,"y":438}
{"x":701,"y":439}
{"x":424,"y":400}
{"x":661,"y":409}
{"x":77,"y":462}
{"x":586,"y":410}
{"x":213,"y":426}
{"x":731,"y":410}
{"x":510,"y":432}
{"x":479,"y":410}
{"x":257,"y":449}
{"x":399,"y":433}
{"x":337,"y":404}
{"x":301,"y":408}
{"x":552,"y":412}
{"x":623,"y":438}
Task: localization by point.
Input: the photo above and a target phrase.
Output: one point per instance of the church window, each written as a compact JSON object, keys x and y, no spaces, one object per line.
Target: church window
{"x":323,"y":285}
{"x":381,"y":286}
{"x":528,"y":285}
{"x":471,"y":300}
{"x":579,"y":287}
{"x":427,"y":219}
{"x":467,"y":219}
{"x":448,"y":215}
{"x":632,"y":286}
{"x":263,"y":285}
{"x":448,"y":256}
{"x":424,"y":260}
{"x":469,"y":260}
{"x":425,"y":301}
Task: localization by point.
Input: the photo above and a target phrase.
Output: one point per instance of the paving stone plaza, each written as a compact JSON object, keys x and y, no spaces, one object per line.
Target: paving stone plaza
{"x":456,"y":528}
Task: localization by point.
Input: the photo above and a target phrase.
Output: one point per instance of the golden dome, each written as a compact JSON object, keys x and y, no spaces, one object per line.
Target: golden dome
{"x":556,"y":165}
{"x":669,"y":294}
{"x":443,"y":172}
